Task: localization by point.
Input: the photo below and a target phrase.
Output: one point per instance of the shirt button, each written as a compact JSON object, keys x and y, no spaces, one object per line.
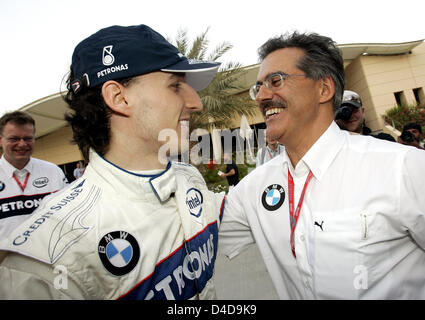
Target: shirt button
{"x":306,"y":284}
{"x":302,"y":238}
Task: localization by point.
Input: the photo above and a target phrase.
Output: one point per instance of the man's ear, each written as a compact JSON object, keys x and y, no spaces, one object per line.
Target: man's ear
{"x":114,"y":96}
{"x":327,"y":89}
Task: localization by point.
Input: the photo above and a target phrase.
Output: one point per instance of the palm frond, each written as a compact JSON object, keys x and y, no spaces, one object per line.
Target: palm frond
{"x":182,"y":41}
{"x":199,"y":46}
{"x":219,"y":51}
{"x":220,"y":99}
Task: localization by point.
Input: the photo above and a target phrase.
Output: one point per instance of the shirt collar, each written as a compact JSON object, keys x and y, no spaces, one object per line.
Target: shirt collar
{"x":277,"y":150}
{"x":320,"y":156}
{"x":10,"y":169}
{"x":163,"y":183}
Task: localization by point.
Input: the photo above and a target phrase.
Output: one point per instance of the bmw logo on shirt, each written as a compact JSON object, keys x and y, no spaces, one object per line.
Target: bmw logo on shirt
{"x":273,"y":197}
{"x":119,"y":252}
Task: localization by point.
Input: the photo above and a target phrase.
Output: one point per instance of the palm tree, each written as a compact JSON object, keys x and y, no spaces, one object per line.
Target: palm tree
{"x":219,"y":98}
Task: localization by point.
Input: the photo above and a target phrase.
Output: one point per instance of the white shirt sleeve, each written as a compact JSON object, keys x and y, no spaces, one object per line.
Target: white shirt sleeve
{"x":235,"y":233}
{"x":412,"y":195}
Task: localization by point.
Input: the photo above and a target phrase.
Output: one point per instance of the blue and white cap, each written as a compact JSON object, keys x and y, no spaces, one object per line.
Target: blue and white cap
{"x":120,"y":52}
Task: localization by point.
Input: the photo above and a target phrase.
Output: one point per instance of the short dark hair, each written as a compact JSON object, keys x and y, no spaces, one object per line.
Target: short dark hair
{"x":413,"y":125}
{"x":19,"y":118}
{"x":322,"y":58}
{"x":90,"y":117}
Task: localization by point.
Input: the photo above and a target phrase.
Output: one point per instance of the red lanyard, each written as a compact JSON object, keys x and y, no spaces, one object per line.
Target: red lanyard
{"x":293,"y":216}
{"x":19,"y":182}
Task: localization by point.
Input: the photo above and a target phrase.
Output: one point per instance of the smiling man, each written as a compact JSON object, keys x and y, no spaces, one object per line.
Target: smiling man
{"x":329,"y":220}
{"x":24,"y":181}
{"x":133,"y":226}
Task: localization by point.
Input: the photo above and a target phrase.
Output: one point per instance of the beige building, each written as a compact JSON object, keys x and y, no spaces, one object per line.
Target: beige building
{"x":383,"y":74}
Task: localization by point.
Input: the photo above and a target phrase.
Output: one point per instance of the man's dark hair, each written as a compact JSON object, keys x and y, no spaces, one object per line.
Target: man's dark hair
{"x":413,"y":125}
{"x":19,"y":118}
{"x":322,"y":58}
{"x":90,"y":117}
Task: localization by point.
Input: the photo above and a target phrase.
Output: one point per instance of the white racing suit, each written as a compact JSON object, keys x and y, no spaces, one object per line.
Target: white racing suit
{"x":114,"y":234}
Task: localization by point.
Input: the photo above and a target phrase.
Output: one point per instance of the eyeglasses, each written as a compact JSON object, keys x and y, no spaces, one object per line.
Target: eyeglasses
{"x":17,"y":139}
{"x":273,"y":82}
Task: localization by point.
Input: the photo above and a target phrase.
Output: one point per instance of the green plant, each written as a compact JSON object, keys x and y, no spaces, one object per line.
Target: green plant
{"x":219,"y":99}
{"x":400,"y":115}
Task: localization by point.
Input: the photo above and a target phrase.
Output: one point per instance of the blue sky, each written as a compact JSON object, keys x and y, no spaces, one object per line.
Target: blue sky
{"x":38,"y":36}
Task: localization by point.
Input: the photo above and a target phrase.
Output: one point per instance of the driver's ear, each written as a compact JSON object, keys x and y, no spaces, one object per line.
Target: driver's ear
{"x":113,"y":94}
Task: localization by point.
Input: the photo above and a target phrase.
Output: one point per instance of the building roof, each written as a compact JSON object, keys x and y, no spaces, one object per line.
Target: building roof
{"x":48,"y":112}
{"x":351,"y":51}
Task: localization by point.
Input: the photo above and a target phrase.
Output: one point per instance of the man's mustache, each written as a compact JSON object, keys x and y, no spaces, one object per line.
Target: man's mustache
{"x":272,"y":104}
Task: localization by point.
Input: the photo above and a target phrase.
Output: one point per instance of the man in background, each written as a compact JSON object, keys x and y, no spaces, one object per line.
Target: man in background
{"x":412,"y":135}
{"x":78,"y":171}
{"x":268,"y":152}
{"x":24,"y":181}
{"x":350,"y":115}
{"x":232,"y":171}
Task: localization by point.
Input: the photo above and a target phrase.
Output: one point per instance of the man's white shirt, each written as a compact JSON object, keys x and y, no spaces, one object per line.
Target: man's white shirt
{"x":265,"y":154}
{"x":361,"y":230}
{"x":16,"y":205}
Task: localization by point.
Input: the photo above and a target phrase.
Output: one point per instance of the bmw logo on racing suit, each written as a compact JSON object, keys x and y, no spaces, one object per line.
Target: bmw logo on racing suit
{"x":119,"y":252}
